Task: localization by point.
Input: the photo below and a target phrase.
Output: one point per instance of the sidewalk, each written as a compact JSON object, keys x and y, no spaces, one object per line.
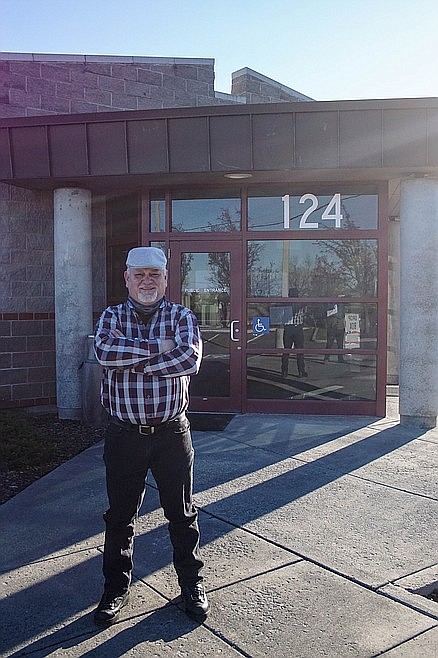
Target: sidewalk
{"x":315,"y":532}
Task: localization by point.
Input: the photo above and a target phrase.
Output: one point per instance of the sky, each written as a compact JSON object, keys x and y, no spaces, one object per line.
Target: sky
{"x":325,"y":49}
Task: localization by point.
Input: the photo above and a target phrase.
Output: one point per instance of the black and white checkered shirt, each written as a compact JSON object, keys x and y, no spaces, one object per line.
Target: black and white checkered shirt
{"x":139,"y":384}
{"x":294,"y":316}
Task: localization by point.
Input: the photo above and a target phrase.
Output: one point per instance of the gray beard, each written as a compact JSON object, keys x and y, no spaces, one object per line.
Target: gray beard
{"x":147,"y":298}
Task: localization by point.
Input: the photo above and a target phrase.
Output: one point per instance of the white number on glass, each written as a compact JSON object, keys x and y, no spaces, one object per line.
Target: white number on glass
{"x":286,"y":211}
{"x":313,"y":206}
{"x":337,"y":215}
{"x":334,"y":204}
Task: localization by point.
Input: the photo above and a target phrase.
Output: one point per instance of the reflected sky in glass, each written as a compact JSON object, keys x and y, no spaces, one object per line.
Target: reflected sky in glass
{"x":203,"y":215}
{"x":359,"y":211}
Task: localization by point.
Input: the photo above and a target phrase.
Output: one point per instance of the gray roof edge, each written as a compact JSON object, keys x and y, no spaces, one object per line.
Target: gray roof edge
{"x":121,"y":59}
{"x":231,"y":97}
{"x":271,"y":81}
{"x":427,"y":103}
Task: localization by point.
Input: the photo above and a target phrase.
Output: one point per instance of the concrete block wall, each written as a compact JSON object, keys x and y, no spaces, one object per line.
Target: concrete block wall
{"x":26,"y":250}
{"x":32,"y":85}
{"x":257,"y":88}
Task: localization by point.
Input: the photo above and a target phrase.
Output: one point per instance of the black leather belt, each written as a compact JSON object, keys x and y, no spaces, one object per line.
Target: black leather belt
{"x":145,"y":430}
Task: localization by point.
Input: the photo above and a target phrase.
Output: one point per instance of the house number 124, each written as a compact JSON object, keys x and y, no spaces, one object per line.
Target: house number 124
{"x":331,"y":212}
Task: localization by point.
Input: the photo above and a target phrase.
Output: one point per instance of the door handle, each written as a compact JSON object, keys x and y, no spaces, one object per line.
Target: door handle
{"x":234,"y":330}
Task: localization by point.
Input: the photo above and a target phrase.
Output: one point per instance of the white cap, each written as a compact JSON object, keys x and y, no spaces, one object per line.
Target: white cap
{"x":151,"y":257}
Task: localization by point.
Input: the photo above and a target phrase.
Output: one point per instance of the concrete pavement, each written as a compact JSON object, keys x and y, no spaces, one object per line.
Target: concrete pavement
{"x":316,"y":533}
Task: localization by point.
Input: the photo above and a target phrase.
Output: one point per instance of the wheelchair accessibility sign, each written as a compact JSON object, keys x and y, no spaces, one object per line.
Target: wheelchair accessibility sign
{"x":260,"y":326}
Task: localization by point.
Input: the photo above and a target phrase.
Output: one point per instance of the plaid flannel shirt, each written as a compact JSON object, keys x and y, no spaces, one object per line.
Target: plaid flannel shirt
{"x":294,"y":316}
{"x":139,"y":384}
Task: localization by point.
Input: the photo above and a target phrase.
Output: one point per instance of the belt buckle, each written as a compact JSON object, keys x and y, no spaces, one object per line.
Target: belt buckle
{"x":146,"y":430}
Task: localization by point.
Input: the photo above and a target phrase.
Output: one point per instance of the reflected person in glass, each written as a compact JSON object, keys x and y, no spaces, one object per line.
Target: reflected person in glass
{"x":293,"y":336}
{"x":335,"y":330}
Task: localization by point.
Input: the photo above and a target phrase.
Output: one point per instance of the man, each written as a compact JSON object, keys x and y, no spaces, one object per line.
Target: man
{"x":148,"y":348}
{"x":335,"y":330}
{"x":293,"y":336}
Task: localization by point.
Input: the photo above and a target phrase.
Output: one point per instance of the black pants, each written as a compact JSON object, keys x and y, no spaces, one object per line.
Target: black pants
{"x":128,"y":456}
{"x":293,"y":337}
{"x":335,"y":336}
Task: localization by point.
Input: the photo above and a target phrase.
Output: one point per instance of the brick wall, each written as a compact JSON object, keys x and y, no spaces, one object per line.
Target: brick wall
{"x":27,"y":359}
{"x":32,"y":85}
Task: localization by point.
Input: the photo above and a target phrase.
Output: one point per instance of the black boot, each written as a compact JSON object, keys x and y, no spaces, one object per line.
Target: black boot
{"x":108,"y":610}
{"x":195,"y":601}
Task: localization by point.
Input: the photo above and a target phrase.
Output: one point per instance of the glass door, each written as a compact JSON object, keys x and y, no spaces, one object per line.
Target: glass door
{"x":207,"y":278}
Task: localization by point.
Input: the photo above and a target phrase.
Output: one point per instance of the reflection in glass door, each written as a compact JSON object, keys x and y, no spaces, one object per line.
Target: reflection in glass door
{"x":207,"y":279}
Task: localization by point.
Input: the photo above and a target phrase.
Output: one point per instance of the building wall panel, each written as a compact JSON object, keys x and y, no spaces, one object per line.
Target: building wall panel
{"x":189,"y":144}
{"x":404,"y":137}
{"x":30,"y":154}
{"x":230,"y":143}
{"x":147,"y":146}
{"x":316,"y":140}
{"x":360,"y":138}
{"x":107,"y":148}
{"x":5,"y":161}
{"x":273,"y":141}
{"x":68,"y":150}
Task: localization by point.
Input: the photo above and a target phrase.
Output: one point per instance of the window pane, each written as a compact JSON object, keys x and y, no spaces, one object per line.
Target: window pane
{"x":355,"y":211}
{"x":317,"y":268}
{"x":205,"y":289}
{"x":353,"y":379}
{"x":331,"y":325}
{"x":159,"y":245}
{"x":158,"y":216}
{"x":204,"y":215}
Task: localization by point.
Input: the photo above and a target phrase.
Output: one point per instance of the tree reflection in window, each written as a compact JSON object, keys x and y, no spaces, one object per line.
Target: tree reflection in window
{"x":225,"y":223}
{"x":201,"y":215}
{"x":318,"y":268}
{"x":346,"y":267}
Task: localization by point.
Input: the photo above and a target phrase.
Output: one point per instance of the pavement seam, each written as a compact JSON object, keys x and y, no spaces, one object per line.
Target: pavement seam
{"x":403,"y":642}
{"x":375,"y":589}
{"x":256,"y":575}
{"x":413,"y":573}
{"x":174,"y":602}
{"x":301,"y":460}
{"x":55,"y":645}
{"x":231,"y":644}
{"x":365,"y":479}
{"x":50,"y":558}
{"x":305,"y":558}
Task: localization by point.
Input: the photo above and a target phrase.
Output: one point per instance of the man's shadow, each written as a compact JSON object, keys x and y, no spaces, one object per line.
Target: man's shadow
{"x":165,"y":624}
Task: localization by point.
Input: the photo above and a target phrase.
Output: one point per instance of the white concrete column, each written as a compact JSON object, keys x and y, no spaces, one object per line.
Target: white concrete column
{"x":73,"y":294}
{"x":419,"y":302}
